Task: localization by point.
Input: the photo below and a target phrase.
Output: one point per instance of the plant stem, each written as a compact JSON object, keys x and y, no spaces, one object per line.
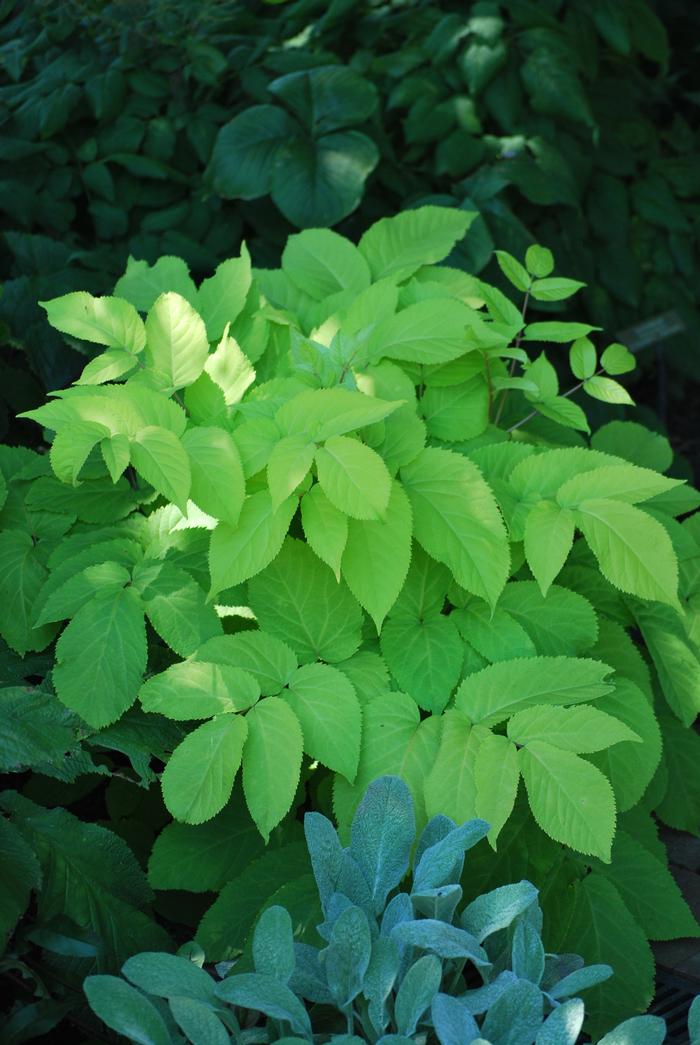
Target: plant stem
{"x":511,"y":368}
{"x":564,"y":396}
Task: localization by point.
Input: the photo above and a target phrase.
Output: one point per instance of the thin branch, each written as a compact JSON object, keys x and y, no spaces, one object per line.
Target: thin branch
{"x":511,"y":368}
{"x":564,"y":396}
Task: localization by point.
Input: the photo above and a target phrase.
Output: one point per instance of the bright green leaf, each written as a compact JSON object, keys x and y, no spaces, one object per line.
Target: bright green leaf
{"x":607,"y":390}
{"x":353,"y":478}
{"x":104,"y":321}
{"x":218,"y":485}
{"x":400,"y":245}
{"x":325,"y":527}
{"x":159,"y":456}
{"x":271,"y":762}
{"x":633,"y":550}
{"x":197,"y":689}
{"x":288,"y":465}
{"x":570,"y":799}
{"x":101,"y":656}
{"x":239,"y":552}
{"x":377,"y":555}
{"x":581,"y":729}
{"x":176,"y":341}
{"x":298,"y":599}
{"x":198,"y":780}
{"x":493,"y":694}
{"x":457,"y":521}
{"x":325,"y":703}
{"x":616,"y":359}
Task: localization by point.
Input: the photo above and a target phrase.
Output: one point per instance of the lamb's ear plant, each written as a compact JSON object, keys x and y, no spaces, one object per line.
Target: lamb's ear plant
{"x":415,"y":965}
{"x":344,"y":518}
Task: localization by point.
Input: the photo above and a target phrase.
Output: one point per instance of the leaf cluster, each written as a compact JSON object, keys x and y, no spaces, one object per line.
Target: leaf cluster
{"x":318,"y":524}
{"x":392,"y":966}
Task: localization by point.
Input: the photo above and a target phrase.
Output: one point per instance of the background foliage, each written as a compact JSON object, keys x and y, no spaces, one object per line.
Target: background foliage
{"x":567,"y":123}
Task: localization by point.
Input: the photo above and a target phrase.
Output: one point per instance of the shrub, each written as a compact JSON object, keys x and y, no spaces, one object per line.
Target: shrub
{"x":561,"y":123}
{"x":387,"y":970}
{"x":336,"y":520}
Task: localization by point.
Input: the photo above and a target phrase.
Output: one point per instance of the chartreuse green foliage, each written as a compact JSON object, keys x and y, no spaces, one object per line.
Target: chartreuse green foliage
{"x":389,"y":966}
{"x":339,"y":519}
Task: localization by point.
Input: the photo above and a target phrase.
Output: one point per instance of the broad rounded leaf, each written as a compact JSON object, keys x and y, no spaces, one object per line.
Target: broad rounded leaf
{"x":245,"y":151}
{"x":320,"y":181}
{"x":327,"y":97}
